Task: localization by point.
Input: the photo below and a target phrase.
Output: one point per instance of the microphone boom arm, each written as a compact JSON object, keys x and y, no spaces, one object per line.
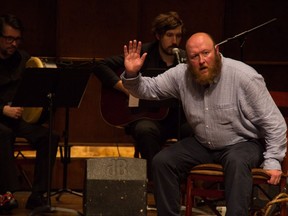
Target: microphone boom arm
{"x":246,"y":32}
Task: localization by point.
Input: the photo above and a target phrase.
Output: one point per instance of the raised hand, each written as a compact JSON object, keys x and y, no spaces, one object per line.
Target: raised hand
{"x":132,"y":59}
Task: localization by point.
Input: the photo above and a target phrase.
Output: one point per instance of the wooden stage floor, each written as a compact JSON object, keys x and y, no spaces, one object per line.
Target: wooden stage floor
{"x":73,"y":204}
{"x":70,"y":201}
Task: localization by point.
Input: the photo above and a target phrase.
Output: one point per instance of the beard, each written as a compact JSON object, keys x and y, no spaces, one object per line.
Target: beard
{"x":207,"y":78}
{"x":5,"y":53}
{"x":167,"y":51}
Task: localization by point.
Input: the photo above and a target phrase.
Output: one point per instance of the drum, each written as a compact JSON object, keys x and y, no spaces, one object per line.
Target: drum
{"x":32,"y":114}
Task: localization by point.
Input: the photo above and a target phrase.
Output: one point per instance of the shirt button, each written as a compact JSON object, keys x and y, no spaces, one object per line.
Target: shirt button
{"x":206,"y":108}
{"x":207,"y":126}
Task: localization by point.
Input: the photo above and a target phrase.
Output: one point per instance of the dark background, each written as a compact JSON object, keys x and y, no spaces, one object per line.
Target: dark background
{"x":84,"y":30}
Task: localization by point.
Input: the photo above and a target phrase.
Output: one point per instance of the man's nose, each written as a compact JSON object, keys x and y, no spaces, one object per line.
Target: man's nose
{"x":174,"y":39}
{"x":14,"y":43}
{"x":201,"y":58}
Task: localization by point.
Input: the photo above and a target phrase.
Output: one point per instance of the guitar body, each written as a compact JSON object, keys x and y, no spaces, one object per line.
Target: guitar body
{"x":116,"y":112}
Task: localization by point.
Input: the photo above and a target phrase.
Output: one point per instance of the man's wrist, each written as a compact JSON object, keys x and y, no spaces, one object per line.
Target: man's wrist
{"x":130,"y":75}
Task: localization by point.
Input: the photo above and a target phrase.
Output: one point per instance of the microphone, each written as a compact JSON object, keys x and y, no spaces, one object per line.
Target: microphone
{"x":176,"y":52}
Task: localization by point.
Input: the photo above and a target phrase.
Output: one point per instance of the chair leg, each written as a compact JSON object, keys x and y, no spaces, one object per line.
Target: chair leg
{"x":136,"y":152}
{"x":283,"y":211}
{"x":212,"y":207}
{"x":283,"y":188}
{"x":23,"y":173}
{"x":189,"y":200}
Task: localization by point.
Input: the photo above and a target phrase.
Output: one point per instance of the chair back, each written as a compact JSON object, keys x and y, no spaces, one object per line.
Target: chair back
{"x":281,"y":100}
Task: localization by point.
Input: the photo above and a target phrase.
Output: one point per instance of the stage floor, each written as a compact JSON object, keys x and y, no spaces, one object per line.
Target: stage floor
{"x":73,"y":204}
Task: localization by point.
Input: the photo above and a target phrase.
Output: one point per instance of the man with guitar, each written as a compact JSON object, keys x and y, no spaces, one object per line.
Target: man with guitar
{"x":149,"y":131}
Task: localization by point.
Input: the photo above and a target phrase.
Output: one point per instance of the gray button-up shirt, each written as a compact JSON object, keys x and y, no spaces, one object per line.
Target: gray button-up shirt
{"x":236,"y":107}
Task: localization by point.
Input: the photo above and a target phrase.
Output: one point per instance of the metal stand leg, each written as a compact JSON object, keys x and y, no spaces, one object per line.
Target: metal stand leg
{"x":65,"y":159}
{"x":48,"y":208}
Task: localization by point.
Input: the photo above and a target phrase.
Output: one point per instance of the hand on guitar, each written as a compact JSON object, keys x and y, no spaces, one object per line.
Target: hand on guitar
{"x":132,"y":59}
{"x":119,"y":86}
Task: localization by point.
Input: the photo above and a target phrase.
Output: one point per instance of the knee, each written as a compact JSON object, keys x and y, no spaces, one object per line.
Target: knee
{"x":7,"y":134}
{"x":7,"y":139}
{"x":160,"y":161}
{"x":145,"y":128}
{"x":44,"y":138}
{"x":236,"y":163}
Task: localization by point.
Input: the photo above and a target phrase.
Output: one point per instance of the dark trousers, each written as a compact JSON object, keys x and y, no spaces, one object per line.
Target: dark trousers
{"x":38,"y":137}
{"x":150,"y":136}
{"x":171,"y":165}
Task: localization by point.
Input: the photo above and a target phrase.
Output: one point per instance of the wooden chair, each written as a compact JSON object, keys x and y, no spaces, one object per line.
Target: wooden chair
{"x":213,"y":173}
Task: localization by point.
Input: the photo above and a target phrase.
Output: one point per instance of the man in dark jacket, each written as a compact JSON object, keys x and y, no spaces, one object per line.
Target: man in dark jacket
{"x":12,"y":65}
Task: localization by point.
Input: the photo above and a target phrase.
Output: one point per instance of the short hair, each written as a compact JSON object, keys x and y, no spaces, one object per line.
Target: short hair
{"x":11,"y":20}
{"x":166,"y":21}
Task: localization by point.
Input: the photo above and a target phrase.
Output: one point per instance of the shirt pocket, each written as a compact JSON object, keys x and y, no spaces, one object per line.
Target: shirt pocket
{"x":224,"y":114}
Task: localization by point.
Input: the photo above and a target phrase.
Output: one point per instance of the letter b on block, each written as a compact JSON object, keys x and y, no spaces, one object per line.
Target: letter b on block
{"x":115,"y":187}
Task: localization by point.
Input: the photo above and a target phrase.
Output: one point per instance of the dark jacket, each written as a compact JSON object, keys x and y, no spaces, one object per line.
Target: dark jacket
{"x":109,"y":69}
{"x":11,"y":71}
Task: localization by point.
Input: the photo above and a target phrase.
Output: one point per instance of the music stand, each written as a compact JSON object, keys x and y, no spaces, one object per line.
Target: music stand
{"x":51,"y":88}
{"x":65,"y":159}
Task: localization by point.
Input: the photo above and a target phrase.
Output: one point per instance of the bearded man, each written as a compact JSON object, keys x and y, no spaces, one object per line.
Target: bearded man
{"x":229,"y":108}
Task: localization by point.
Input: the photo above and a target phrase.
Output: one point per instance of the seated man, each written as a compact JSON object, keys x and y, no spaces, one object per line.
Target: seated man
{"x":12,"y":65}
{"x":151,"y":134}
{"x":229,"y":108}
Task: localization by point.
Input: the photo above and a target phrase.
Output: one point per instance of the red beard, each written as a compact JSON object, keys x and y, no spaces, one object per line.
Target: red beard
{"x":206,"y":77}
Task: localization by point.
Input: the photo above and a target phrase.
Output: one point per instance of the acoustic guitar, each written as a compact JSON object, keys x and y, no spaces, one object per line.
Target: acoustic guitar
{"x":116,"y":111}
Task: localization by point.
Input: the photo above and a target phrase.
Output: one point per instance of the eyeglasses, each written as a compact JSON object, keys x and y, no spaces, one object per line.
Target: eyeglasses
{"x":10,"y":39}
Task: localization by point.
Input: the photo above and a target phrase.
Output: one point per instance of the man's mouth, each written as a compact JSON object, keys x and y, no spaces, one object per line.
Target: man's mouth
{"x":11,"y":49}
{"x":203,"y":69}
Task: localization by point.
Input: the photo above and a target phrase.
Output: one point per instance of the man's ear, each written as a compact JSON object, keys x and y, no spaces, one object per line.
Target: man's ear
{"x":217,"y":48}
{"x":157,"y":36}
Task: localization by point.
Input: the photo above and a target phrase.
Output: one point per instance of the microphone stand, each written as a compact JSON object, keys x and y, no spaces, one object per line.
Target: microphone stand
{"x":242,"y":36}
{"x":177,"y":56}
